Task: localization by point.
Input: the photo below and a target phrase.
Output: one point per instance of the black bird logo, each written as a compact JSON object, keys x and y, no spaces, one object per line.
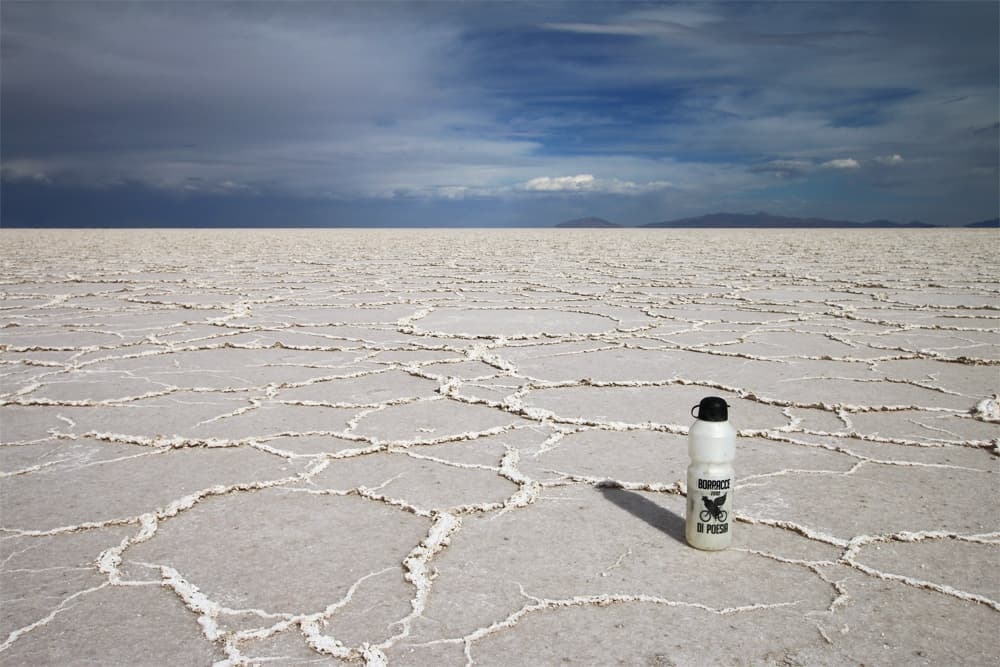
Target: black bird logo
{"x":714,"y":507}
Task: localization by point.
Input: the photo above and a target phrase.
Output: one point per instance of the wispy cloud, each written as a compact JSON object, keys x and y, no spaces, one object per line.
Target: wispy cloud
{"x":784,"y":168}
{"x":842,"y":163}
{"x":890,"y":160}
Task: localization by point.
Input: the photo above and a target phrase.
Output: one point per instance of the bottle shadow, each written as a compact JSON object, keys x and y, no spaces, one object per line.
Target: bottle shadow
{"x":642,"y":507}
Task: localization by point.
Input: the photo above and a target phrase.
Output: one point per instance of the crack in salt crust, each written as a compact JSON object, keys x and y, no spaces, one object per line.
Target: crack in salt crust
{"x":237,"y":332}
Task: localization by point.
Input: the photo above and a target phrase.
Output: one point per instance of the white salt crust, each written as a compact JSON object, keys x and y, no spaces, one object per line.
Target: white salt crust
{"x":906,"y":354}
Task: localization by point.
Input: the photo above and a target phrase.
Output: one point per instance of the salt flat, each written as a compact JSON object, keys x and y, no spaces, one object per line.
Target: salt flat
{"x":435,"y":447}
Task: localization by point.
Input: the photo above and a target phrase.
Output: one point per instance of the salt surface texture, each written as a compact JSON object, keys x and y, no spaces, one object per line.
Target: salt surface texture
{"x":456,"y":447}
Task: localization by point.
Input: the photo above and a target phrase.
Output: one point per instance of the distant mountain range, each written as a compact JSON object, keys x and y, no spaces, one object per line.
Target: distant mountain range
{"x":995,"y":222}
{"x":775,"y":221}
{"x":765,"y":220}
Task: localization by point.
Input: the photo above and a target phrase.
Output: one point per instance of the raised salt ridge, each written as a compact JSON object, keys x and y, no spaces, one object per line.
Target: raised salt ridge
{"x":468,"y":447}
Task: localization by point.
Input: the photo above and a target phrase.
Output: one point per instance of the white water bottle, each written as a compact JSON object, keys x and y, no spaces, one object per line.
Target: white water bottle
{"x":712,"y":448}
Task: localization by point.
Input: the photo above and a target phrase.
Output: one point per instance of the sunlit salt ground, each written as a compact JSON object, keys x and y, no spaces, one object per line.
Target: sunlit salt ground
{"x":450,"y":447}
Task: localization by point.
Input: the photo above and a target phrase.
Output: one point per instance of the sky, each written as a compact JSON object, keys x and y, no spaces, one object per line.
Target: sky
{"x":495,"y":113}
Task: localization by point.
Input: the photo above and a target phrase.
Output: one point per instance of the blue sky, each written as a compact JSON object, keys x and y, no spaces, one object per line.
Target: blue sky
{"x":496,"y":113}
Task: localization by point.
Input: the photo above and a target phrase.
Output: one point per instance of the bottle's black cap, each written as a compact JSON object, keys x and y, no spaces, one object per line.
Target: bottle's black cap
{"x":712,"y":409}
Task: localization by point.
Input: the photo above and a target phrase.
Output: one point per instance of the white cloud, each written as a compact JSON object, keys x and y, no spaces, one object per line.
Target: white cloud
{"x":661,"y":22}
{"x":588,"y":183}
{"x":843,"y":163}
{"x":890,"y":160}
{"x":561,"y":183}
{"x":25,"y":170}
{"x":618,"y":187}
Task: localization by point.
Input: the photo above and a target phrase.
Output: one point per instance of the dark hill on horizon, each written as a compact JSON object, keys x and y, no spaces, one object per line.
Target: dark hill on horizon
{"x":767,"y":220}
{"x":588,"y":222}
{"x":995,"y":222}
